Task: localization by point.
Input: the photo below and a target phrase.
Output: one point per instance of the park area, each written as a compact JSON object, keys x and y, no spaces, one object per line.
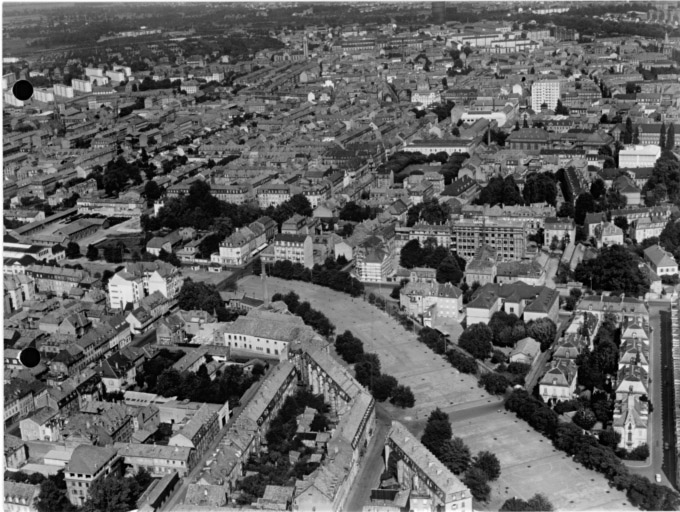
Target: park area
{"x":531,"y":464}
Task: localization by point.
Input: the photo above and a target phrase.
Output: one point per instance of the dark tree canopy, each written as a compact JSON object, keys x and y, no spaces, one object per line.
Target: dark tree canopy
{"x":500,"y":191}
{"x":476,"y":340}
{"x":540,"y":188}
{"x":615,"y":270}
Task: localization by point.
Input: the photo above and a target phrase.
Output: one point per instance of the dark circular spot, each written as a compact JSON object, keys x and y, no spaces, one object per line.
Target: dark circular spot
{"x":29,"y":357}
{"x":22,"y":90}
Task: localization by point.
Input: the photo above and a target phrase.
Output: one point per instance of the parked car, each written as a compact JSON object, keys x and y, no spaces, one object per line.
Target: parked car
{"x":658,"y":477}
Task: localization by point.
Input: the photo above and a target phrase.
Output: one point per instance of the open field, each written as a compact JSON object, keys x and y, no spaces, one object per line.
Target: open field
{"x":530,"y":464}
{"x":435,"y":383}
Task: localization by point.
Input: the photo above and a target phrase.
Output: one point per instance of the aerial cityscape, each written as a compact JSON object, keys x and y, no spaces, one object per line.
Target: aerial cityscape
{"x":325,"y":256}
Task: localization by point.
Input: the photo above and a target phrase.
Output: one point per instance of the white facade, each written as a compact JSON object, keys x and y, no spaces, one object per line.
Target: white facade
{"x":123,"y":289}
{"x":63,"y":91}
{"x":96,"y":72}
{"x":545,"y":91}
{"x":44,"y":95}
{"x":295,"y":248}
{"x":11,"y":100}
{"x":169,"y":286}
{"x":81,"y":85}
{"x":639,"y":156}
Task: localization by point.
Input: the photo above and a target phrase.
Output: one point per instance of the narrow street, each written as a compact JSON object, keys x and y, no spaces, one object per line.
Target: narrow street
{"x":372,"y":465}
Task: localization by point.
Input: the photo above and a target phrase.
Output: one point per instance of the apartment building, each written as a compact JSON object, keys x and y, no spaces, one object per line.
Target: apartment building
{"x":545,"y":91}
{"x":432,"y":486}
{"x":87,"y":465}
{"x":125,"y":288}
{"x":264,"y":333}
{"x":431,"y":300}
{"x":295,"y":248}
{"x":506,"y":236}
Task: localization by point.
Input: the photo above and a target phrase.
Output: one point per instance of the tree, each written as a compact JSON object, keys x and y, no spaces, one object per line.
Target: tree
{"x":670,"y":137}
{"x":610,"y":438}
{"x":52,"y":494}
{"x":437,"y":431}
{"x":494,"y":383}
{"x":455,"y":455}
{"x":152,"y":191}
{"x":621,"y":222}
{"x":540,"y":188}
{"x":403,"y":397}
{"x":383,"y":387}
{"x":475,"y":480}
{"x":73,"y":250}
{"x":461,"y":362}
{"x":539,"y":502}
{"x":585,"y":418}
{"x":662,"y":136}
{"x":488,"y":462}
{"x":112,"y":494}
{"x":92,"y":253}
{"x":584,"y":204}
{"x":500,"y":191}
{"x":598,"y":188}
{"x":348,"y":347}
{"x":627,"y":134}
{"x":301,"y":205}
{"x":544,"y":331}
{"x":411,"y":254}
{"x":615,"y":270}
{"x":201,"y":296}
{"x":476,"y":340}
{"x":367,"y":369}
{"x":560,"y":109}
{"x":449,"y":271}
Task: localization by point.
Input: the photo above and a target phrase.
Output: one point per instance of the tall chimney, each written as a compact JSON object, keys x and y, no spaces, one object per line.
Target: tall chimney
{"x":265,"y":290}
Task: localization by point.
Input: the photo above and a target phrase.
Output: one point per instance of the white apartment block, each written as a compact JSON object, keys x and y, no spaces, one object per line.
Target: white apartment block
{"x":81,"y":85}
{"x":44,"y":95}
{"x":125,"y":288}
{"x":63,"y":91}
{"x":295,"y":248}
{"x":545,"y":91}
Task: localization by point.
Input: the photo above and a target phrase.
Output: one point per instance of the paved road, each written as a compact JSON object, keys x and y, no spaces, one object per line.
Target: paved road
{"x":372,"y":465}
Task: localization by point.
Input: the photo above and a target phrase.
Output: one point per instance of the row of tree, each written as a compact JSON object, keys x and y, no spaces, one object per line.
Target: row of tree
{"x":456,"y":456}
{"x":329,"y":275}
{"x":310,"y":316}
{"x":588,"y":451}
{"x":368,"y":372}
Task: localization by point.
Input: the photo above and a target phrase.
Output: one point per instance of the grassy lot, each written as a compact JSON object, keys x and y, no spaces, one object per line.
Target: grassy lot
{"x":530,"y":464}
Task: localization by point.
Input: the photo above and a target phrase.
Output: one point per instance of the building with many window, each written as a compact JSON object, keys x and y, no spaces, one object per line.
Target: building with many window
{"x":545,"y":91}
{"x":87,"y":465}
{"x":431,"y":485}
{"x":508,"y":237}
{"x":295,"y":248}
